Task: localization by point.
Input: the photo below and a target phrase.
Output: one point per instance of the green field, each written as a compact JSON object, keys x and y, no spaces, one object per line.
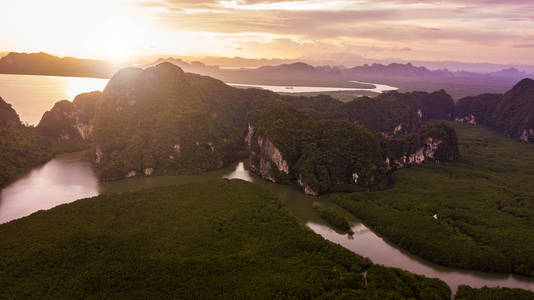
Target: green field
{"x":484,"y":204}
{"x":214,"y":240}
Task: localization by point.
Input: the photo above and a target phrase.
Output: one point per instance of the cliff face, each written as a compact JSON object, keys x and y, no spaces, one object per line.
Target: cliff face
{"x":287,"y":146}
{"x":21,"y":147}
{"x":434,"y":142}
{"x":71,"y":120}
{"x":511,"y":113}
{"x":477,"y":110}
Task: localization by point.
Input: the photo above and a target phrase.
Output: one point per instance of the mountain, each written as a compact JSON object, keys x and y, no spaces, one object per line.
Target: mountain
{"x":294,"y":74}
{"x":46,"y":64}
{"x":165,"y":119}
{"x":407,"y":77}
{"x":512,"y":112}
{"x":21,"y":147}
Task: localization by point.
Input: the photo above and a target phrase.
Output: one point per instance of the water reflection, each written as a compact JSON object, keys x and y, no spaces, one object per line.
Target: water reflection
{"x":379,"y":88}
{"x":45,"y":91}
{"x":62,"y":180}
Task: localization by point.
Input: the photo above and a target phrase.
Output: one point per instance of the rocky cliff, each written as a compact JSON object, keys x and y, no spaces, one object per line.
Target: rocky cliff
{"x":71,"y":120}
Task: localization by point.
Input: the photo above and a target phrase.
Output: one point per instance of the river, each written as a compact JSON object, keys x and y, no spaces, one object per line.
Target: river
{"x":379,"y":88}
{"x":67,"y":178}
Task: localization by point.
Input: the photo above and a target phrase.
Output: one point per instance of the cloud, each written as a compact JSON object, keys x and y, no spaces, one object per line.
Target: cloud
{"x":523,"y":46}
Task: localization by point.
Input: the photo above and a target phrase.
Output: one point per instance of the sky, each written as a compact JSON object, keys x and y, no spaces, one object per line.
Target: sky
{"x":496,"y":31}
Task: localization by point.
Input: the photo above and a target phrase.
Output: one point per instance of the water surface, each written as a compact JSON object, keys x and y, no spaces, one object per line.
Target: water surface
{"x":379,"y":88}
{"x":68,"y":178}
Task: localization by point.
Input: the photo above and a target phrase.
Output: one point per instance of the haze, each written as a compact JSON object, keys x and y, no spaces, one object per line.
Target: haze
{"x":119,"y":30}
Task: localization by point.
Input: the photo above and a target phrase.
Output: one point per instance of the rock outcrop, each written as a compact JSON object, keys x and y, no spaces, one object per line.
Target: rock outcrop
{"x":511,"y":113}
{"x":71,"y":120}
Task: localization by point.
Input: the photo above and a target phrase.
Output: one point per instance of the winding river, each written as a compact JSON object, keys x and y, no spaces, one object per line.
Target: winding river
{"x":67,"y":178}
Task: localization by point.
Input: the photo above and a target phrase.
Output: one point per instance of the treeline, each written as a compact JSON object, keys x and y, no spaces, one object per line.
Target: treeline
{"x":468,"y":293}
{"x":21,"y":147}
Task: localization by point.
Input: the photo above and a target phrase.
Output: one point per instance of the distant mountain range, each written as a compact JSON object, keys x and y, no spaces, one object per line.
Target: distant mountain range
{"x":46,"y":64}
{"x":407,"y":77}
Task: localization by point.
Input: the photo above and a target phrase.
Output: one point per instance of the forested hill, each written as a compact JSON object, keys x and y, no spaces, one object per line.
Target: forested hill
{"x":322,"y":156}
{"x":511,"y":113}
{"x":162,"y":119}
{"x":21,"y":146}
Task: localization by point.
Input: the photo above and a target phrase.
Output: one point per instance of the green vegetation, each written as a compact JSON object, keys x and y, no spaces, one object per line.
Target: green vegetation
{"x":331,"y":155}
{"x":223,"y":239}
{"x":333,"y":218}
{"x":485,"y":293}
{"x":164,"y":119}
{"x":383,"y":113}
{"x":321,"y":155}
{"x":483,"y":204}
{"x":509,"y":113}
{"x":21,"y":147}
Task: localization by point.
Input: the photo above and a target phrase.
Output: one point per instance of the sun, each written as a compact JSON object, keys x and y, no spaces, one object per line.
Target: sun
{"x":117,"y":49}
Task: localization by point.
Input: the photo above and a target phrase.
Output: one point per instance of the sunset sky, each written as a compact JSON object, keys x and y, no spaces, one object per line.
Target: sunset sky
{"x":499,"y":31}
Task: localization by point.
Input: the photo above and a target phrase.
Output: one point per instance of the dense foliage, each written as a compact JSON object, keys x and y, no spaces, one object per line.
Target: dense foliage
{"x":21,"y":147}
{"x":331,"y":155}
{"x":447,"y":149}
{"x":485,"y":293}
{"x":483,"y":205}
{"x":480,"y":107}
{"x":510,"y":113}
{"x":214,"y":240}
{"x":391,"y":113}
{"x":164,"y":119}
{"x":333,"y":218}
{"x":321,"y":155}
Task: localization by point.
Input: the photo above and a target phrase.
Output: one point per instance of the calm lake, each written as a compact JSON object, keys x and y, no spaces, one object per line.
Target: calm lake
{"x":68,"y":177}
